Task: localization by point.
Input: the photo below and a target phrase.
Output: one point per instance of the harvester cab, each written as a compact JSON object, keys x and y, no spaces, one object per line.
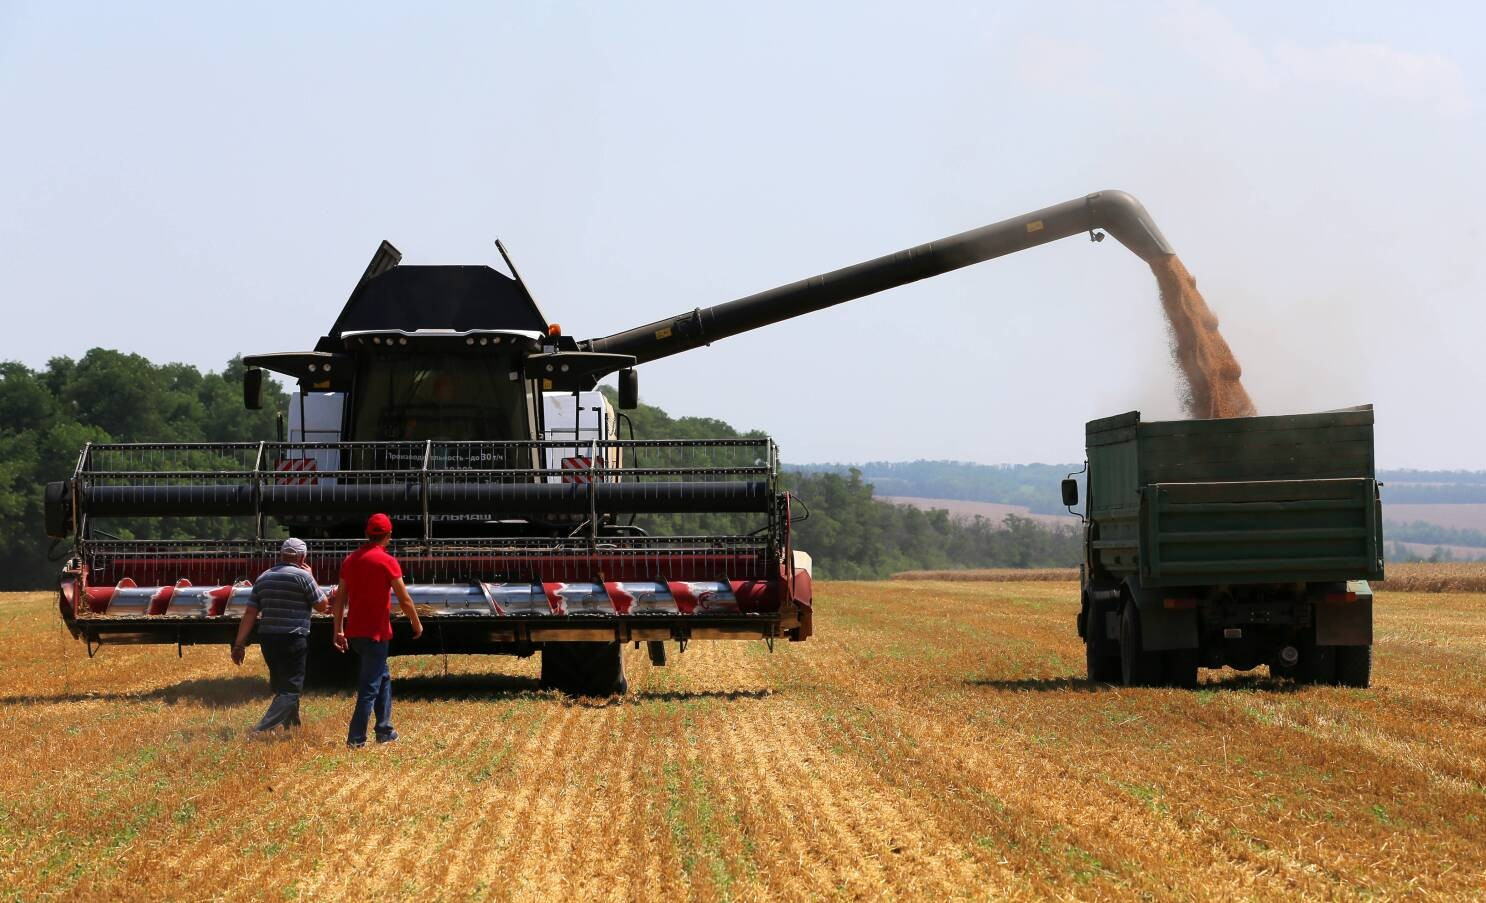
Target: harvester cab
{"x":448,"y":354}
{"x":444,"y":397}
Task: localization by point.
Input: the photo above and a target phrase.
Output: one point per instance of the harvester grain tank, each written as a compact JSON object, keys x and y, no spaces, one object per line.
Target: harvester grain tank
{"x":1238,"y":542}
{"x":431,"y":398}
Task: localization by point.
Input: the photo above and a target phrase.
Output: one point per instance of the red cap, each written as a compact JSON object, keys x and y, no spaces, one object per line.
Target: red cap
{"x":378,"y":525}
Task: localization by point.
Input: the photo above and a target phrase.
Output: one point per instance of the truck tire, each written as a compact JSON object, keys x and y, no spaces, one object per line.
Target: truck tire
{"x":1317,"y":665}
{"x":1103,"y":665}
{"x":1101,"y":653}
{"x":1181,"y":668}
{"x":1138,"y":668}
{"x":584,"y":669}
{"x":1353,"y":666}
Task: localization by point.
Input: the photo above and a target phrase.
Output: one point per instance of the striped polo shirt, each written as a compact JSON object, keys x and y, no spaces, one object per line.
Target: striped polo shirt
{"x":283,"y":596}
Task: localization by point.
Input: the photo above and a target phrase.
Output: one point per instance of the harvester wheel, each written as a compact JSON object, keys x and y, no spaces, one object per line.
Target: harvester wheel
{"x":331,"y":670}
{"x":1353,"y":666}
{"x":1138,"y":668}
{"x":584,"y":669}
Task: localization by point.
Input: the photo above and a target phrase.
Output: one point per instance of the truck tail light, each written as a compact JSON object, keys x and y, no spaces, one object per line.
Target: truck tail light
{"x":1179,"y":604}
{"x":1340,"y":597}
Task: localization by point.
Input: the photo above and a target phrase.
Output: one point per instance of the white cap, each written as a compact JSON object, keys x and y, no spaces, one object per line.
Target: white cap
{"x":293,"y":546}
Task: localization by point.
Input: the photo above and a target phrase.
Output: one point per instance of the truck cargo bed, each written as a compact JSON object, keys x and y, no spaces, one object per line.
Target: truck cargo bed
{"x":1275,"y":531}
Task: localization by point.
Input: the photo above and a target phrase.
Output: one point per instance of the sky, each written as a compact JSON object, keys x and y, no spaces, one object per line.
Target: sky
{"x":195,"y":181}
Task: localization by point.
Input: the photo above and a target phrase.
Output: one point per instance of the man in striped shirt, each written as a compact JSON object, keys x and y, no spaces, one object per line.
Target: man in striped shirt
{"x":280,"y":605}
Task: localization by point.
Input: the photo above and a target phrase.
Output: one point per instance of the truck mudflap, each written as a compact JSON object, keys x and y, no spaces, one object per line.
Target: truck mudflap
{"x":1161,"y":628}
{"x":1344,"y":615}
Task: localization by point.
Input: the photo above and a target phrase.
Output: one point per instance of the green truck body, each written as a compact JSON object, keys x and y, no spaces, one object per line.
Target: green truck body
{"x":1237,"y":542}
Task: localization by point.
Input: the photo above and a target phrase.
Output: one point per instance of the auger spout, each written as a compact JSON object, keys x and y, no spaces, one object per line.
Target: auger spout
{"x":1116,"y":212}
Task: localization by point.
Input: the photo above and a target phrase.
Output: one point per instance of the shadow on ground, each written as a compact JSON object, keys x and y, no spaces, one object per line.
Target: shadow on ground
{"x":600,"y":702}
{"x":1250,"y":680}
{"x":204,"y":690}
{"x":442,"y":687}
{"x":226,"y":691}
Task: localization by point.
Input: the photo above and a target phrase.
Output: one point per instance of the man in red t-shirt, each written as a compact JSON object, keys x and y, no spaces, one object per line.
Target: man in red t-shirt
{"x":369,"y":577}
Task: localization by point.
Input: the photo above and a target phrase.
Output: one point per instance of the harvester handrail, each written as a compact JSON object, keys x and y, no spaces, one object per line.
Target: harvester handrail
{"x":410,"y":473}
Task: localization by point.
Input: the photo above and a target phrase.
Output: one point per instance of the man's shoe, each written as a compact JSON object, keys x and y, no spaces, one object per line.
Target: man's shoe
{"x":353,"y":744}
{"x":387,"y":737}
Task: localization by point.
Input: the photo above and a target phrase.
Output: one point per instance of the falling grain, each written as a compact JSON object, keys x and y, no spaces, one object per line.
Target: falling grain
{"x":1211,"y":376}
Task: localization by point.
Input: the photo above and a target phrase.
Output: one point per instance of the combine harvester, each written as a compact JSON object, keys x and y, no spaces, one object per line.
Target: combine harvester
{"x":443,"y":396}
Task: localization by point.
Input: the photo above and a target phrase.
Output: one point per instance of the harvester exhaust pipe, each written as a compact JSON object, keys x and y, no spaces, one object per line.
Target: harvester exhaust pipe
{"x":1116,"y":212}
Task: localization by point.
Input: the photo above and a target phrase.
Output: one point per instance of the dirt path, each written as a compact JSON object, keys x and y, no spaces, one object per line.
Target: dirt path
{"x":934,"y":740}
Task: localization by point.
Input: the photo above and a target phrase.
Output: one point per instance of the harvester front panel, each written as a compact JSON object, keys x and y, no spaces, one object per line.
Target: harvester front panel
{"x":497,"y":558}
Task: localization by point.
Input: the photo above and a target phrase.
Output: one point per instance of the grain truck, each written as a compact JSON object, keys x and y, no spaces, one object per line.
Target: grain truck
{"x":1241,"y":542}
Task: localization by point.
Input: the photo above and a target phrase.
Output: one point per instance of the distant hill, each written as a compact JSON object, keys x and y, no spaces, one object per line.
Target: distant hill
{"x":1426,"y":512}
{"x":1035,"y":486}
{"x":1030,"y":486}
{"x":1433,"y":487}
{"x":852,"y":534}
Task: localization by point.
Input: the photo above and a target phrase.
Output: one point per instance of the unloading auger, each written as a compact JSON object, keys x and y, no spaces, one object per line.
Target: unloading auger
{"x":443,"y":396}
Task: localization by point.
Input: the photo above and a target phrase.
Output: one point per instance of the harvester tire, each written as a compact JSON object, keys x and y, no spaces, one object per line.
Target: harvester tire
{"x":584,"y":669}
{"x":328,"y":669}
{"x":1353,"y":666}
{"x":1138,"y":668}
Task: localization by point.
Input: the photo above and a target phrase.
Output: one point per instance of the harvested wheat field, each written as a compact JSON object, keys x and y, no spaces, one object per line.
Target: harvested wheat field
{"x":934,"y":740}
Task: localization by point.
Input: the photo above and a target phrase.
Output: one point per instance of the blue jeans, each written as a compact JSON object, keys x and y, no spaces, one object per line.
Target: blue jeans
{"x":373,"y":690}
{"x":285,"y":655}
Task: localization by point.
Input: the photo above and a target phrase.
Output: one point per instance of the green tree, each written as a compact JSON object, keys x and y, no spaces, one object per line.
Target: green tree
{"x":106,"y":396}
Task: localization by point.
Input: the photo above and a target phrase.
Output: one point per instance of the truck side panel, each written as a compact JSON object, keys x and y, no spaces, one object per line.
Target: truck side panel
{"x":1114,"y":494}
{"x":1278,"y":531}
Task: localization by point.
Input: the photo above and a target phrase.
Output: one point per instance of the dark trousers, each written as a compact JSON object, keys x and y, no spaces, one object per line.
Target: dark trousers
{"x":285,"y":654}
{"x":373,"y":690}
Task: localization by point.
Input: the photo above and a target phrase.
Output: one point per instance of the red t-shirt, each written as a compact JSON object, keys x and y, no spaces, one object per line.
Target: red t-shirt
{"x":367,"y":574}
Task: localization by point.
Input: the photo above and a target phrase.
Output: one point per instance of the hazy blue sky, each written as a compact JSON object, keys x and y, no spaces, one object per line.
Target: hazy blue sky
{"x":197,"y":180}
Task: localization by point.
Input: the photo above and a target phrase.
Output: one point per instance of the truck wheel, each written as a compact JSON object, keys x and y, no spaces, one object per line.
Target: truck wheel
{"x":1317,"y":665}
{"x":1103,"y":666}
{"x":1181,"y":668}
{"x":1353,"y":666}
{"x":1138,"y":668}
{"x":1101,"y":654}
{"x":583,"y":669}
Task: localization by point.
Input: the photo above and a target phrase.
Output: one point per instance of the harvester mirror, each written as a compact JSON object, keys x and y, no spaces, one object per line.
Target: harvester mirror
{"x":253,"y":388}
{"x":629,"y":389}
{"x":57,"y":509}
{"x":1070,"y":492}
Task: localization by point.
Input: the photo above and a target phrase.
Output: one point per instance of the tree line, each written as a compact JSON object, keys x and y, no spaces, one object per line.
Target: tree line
{"x":1032,"y":486}
{"x":853,"y":536}
{"x":47,"y":415}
